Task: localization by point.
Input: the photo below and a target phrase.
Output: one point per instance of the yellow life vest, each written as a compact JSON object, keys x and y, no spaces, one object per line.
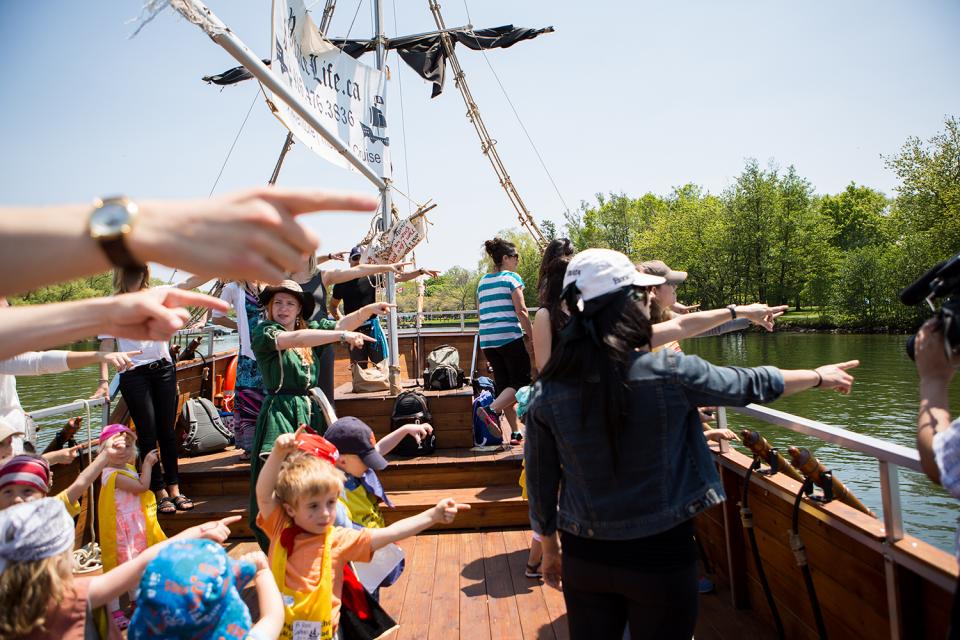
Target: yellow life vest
{"x":107,"y":504}
{"x":307,"y":615}
{"x":363,"y":507}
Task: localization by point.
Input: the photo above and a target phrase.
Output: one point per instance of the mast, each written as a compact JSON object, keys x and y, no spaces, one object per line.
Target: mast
{"x":386,"y":219}
{"x":487,"y":144}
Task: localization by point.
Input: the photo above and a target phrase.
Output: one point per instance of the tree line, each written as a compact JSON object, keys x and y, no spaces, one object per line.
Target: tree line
{"x":770,"y":237}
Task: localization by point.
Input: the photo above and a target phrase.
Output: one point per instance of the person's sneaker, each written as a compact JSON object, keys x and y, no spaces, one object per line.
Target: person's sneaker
{"x":705,"y":585}
{"x":516,"y":435}
{"x":515,"y":439}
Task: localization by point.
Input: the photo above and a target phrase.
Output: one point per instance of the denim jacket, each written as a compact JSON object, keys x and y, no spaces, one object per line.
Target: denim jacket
{"x":665,"y":473}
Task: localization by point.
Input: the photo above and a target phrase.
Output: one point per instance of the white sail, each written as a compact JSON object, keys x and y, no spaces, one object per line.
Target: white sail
{"x":347,"y":96}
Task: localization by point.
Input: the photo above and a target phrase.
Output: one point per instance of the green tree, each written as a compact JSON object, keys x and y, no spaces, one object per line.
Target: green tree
{"x":858,"y":216}
{"x":90,"y":287}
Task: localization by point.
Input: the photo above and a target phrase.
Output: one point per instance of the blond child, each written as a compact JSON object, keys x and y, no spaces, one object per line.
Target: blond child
{"x":128,"y":508}
{"x":39,"y":596}
{"x":297,"y":497}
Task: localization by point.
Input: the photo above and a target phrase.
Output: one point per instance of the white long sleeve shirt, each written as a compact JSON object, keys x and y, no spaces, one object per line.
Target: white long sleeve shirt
{"x":31,"y":363}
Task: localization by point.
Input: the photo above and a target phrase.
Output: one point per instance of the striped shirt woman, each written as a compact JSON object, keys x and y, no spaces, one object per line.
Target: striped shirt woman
{"x":503,"y":323}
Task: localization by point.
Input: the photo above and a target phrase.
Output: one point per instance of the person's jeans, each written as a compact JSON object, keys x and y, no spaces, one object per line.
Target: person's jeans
{"x":602,"y":599}
{"x":150,"y":392}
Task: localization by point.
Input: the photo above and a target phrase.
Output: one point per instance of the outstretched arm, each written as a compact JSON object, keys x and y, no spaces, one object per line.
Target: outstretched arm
{"x":259,"y":237}
{"x":317,"y":337}
{"x":87,"y":477}
{"x":445,"y":511}
{"x":125,"y":577}
{"x":416,"y":273}
{"x":388,"y":443}
{"x":353,"y":320}
{"x":336,"y":276}
{"x":692,"y":324}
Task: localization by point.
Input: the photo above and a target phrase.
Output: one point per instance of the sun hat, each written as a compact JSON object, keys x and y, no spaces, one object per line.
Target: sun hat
{"x":192,"y":590}
{"x":659,"y":268}
{"x":26,"y":470}
{"x":352,"y":435}
{"x":7,"y":430}
{"x":35,"y":530}
{"x":597,"y":272}
{"x":113,"y":429}
{"x":306,"y":300}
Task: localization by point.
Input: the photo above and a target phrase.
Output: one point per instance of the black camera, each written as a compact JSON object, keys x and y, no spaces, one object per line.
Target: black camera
{"x":942,"y":281}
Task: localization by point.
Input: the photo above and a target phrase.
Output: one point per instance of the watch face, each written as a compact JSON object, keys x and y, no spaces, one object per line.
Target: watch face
{"x":112,"y":219}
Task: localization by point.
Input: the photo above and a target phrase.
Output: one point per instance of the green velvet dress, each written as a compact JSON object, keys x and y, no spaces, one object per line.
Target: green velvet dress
{"x":282,"y":413}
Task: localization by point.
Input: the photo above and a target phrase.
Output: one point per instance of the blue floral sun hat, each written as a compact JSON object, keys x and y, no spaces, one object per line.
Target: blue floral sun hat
{"x":192,"y":590}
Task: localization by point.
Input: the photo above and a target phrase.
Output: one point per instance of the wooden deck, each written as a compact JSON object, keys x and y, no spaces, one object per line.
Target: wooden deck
{"x":470,"y":586}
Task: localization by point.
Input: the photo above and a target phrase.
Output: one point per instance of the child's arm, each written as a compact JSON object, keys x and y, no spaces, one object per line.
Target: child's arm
{"x":284,"y":445}
{"x":143,"y":484}
{"x":125,"y":577}
{"x":86,"y":477}
{"x":270,"y":623}
{"x":445,"y":511}
{"x":387,"y":443}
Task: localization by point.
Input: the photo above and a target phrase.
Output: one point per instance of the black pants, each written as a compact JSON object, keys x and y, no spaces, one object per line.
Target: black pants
{"x":151,"y":396}
{"x":602,"y":600}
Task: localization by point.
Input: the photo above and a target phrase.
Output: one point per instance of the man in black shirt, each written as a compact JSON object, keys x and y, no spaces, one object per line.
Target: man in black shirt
{"x":358,"y":293}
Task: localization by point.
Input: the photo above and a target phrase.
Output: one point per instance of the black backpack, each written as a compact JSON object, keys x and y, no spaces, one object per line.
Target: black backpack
{"x":203,"y":428}
{"x":411,"y":406}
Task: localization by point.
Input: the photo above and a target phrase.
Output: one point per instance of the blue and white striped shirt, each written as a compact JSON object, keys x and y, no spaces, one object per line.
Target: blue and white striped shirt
{"x":499,"y":323}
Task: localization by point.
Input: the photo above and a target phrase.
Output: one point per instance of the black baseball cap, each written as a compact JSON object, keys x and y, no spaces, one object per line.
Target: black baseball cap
{"x":352,"y":435}
{"x":356,"y":252}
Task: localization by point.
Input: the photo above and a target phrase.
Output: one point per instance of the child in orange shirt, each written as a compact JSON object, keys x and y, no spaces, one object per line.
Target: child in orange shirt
{"x":297,"y":497}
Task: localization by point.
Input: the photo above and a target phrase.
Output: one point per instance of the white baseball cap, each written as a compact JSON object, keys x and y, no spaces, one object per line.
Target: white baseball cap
{"x":597,"y":272}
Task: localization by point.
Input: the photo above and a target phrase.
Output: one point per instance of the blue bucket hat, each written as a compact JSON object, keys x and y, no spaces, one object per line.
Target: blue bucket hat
{"x":192,"y":590}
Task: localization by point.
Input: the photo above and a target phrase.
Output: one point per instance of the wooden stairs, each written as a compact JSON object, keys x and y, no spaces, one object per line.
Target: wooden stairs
{"x":219,"y":483}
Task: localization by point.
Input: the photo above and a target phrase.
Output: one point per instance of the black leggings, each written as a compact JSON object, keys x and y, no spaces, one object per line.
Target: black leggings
{"x":603,"y":599}
{"x":151,"y":396}
{"x":511,"y":365}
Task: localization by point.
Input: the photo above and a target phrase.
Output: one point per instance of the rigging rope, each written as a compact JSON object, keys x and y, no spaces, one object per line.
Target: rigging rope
{"x":514,"y":109}
{"x":234,"y":144}
{"x":403,"y":122}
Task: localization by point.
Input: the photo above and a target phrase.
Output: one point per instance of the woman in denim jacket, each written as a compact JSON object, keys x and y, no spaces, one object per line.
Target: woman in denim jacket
{"x":616,"y":459}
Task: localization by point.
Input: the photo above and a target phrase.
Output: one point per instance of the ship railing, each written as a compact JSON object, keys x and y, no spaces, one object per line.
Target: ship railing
{"x":184,"y":336}
{"x":77,"y":407}
{"x":890,"y":458}
{"x":461,"y":320}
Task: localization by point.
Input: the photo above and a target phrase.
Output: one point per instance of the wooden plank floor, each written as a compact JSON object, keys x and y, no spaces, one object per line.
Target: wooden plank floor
{"x":470,"y":586}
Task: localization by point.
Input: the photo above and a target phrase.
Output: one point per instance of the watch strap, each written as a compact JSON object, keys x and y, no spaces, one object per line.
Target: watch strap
{"x":733,"y":311}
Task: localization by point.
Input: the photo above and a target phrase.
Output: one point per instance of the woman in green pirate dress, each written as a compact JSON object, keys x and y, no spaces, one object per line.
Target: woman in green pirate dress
{"x":288,"y":350}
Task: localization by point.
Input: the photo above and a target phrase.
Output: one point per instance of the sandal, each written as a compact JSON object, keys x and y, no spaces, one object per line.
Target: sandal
{"x":533,"y":571}
{"x":165,"y":506}
{"x":183,"y":503}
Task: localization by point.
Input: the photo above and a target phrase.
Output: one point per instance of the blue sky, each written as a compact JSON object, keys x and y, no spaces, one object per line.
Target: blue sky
{"x":625,"y":96}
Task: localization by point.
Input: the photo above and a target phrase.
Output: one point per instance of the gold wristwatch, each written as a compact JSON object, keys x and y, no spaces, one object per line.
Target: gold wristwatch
{"x":110,"y":222}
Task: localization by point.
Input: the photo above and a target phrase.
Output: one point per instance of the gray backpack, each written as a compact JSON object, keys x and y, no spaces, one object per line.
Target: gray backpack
{"x":203,"y":428}
{"x":443,"y":369}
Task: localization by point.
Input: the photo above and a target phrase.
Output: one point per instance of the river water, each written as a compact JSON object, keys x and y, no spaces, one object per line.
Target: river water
{"x":883,"y":405}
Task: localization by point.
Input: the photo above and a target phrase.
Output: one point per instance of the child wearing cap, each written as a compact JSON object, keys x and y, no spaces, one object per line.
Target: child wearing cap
{"x":192,"y":590}
{"x":39,"y":596}
{"x":298,"y":495}
{"x":128,"y":508}
{"x":361,"y":456}
{"x":28,"y":477}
